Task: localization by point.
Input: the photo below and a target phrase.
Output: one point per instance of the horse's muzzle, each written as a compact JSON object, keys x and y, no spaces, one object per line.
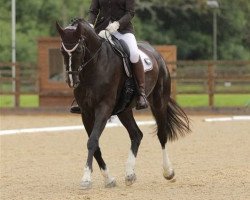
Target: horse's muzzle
{"x":72,"y":79}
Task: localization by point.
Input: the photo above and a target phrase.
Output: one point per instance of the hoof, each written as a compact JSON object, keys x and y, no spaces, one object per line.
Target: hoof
{"x":85,"y":185}
{"x":169,"y":175}
{"x":111,"y":183}
{"x":130,"y":179}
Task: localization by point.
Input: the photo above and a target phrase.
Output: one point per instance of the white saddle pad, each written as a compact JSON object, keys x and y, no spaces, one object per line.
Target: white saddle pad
{"x":147,"y":63}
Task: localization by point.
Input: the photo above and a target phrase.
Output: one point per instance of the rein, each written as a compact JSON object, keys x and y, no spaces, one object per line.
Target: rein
{"x":86,"y":63}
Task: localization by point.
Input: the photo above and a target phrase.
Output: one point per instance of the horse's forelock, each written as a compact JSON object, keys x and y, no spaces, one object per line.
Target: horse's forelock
{"x":69,"y":39}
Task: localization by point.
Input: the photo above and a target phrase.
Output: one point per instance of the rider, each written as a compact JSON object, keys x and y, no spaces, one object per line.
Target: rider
{"x":115,"y":16}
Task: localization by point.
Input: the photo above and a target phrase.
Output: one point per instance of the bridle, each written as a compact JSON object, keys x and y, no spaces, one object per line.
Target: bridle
{"x":71,"y":72}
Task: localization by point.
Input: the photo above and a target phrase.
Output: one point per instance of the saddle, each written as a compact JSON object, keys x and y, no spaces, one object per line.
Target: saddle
{"x":121,"y":48}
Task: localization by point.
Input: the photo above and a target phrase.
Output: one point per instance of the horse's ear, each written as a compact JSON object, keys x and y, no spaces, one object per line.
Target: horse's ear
{"x":78,"y":31}
{"x":59,"y":29}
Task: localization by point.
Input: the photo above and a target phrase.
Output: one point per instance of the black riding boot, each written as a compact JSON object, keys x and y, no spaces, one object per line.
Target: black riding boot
{"x":75,"y":108}
{"x":139,"y":74}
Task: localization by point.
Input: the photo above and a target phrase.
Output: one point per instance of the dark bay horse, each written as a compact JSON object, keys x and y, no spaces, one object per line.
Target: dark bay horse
{"x":97,"y":75}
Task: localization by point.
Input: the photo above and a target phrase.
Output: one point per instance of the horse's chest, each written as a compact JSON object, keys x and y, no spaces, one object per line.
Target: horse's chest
{"x":85,"y":97}
{"x":88,"y":97}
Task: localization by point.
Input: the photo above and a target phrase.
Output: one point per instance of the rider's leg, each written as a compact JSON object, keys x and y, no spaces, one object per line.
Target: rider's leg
{"x":75,"y":108}
{"x":137,"y":68}
{"x":139,"y":74}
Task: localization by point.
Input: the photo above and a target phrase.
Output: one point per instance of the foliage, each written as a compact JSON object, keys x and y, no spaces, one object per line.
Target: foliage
{"x":34,"y":19}
{"x":185,"y":23}
{"x":189,"y":25}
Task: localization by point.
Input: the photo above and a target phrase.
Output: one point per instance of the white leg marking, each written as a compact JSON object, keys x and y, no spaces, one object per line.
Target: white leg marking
{"x":109,"y":181}
{"x":70,"y":77}
{"x":86,"y":179}
{"x":130,"y":176}
{"x":130,"y":165}
{"x":167,"y":166}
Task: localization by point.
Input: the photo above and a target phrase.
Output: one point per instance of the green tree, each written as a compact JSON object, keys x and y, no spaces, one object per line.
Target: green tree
{"x":34,"y":19}
{"x":188,"y":24}
{"x":5,"y":31}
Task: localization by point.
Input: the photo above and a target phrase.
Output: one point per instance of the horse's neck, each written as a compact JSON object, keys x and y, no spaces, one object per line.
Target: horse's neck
{"x":93,"y":47}
{"x":93,"y":42}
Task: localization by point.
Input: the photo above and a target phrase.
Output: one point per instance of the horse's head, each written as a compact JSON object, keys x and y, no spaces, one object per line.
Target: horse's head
{"x":73,"y":51}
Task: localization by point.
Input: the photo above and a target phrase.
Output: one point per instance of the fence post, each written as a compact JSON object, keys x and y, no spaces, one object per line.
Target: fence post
{"x":211,"y":85}
{"x":174,"y":84}
{"x":17,"y":82}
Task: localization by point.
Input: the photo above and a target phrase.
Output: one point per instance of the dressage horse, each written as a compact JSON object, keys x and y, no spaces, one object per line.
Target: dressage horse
{"x":96,"y":74}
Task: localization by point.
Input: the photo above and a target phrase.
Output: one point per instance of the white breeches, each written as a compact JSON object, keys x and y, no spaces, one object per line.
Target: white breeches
{"x":130,"y":40}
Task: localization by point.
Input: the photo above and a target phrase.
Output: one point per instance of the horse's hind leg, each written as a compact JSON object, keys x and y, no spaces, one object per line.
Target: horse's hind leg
{"x":171,"y":120}
{"x":168,"y":171}
{"x":159,"y":99}
{"x":109,"y":181}
{"x":135,"y":135}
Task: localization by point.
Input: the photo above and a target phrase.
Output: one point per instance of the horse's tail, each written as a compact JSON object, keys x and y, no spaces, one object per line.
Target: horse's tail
{"x":177,"y":122}
{"x":171,"y":119}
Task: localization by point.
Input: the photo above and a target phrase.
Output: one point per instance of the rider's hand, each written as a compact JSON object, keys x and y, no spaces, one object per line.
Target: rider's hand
{"x":104,"y":34}
{"x":113,"y":27}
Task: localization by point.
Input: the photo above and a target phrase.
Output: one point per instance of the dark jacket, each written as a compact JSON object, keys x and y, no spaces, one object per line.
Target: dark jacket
{"x":101,"y":12}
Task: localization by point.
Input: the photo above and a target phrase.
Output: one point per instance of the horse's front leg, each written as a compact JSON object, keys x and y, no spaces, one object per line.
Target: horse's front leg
{"x":109,"y":181}
{"x":101,"y":116}
{"x":135,"y":135}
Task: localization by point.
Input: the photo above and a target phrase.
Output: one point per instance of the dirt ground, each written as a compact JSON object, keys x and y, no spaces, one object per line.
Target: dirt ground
{"x":213,"y":162}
